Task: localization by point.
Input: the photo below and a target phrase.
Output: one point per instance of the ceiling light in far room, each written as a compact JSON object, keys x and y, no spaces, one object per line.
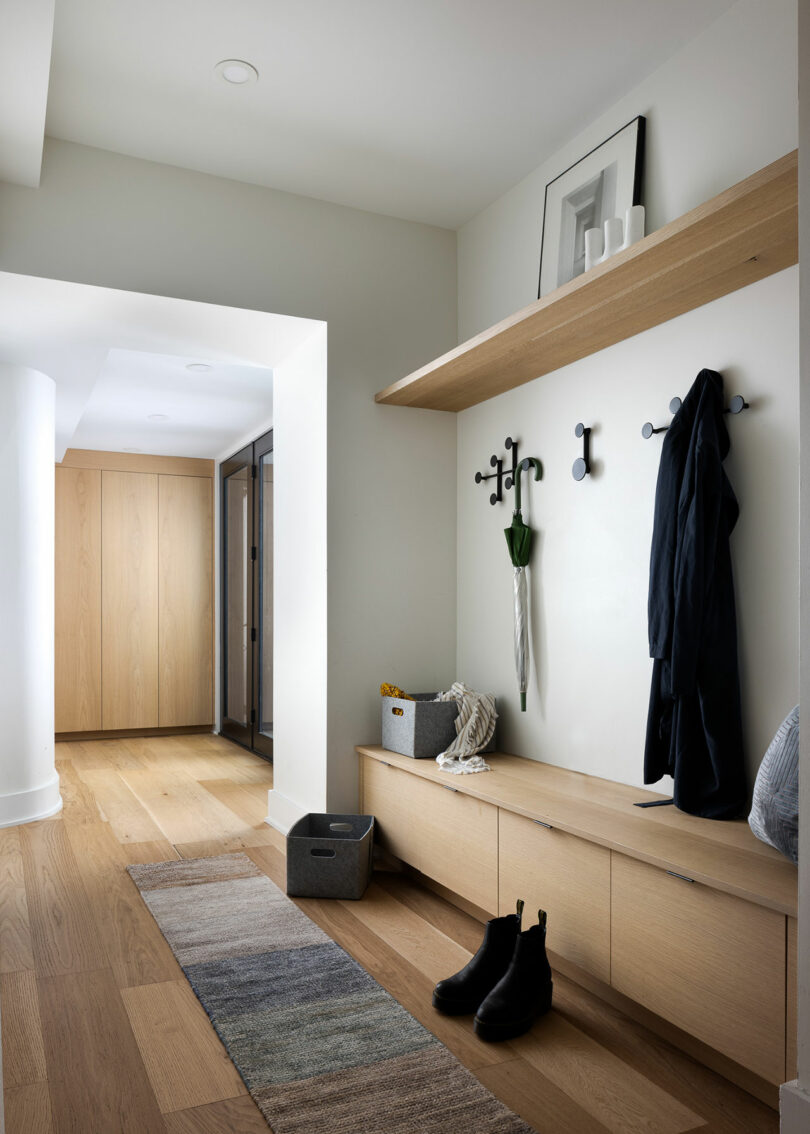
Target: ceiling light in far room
{"x":157,"y":417}
{"x":198,"y":367}
{"x":237,"y":72}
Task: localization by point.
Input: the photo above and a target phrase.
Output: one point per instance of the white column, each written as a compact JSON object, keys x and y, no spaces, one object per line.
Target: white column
{"x":29,"y":784}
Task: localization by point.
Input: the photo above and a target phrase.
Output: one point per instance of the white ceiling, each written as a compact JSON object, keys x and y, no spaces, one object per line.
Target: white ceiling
{"x":205,"y":414}
{"x":423,"y":109}
{"x":118,"y":356}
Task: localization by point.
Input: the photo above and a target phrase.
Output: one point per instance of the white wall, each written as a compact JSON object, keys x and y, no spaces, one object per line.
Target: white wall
{"x":722,"y":108}
{"x":300,"y":584}
{"x":387,"y":290}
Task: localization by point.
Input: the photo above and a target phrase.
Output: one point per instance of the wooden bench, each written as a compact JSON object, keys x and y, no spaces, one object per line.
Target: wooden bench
{"x":689,"y":920}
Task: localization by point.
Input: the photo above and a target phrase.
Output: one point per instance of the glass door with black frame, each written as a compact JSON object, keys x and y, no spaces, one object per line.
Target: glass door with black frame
{"x":246,"y":482}
{"x":236,"y":481}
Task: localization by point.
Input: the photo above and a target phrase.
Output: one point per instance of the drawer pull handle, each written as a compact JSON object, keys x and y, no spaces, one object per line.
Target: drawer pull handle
{"x":682,"y":877}
{"x":540,"y":823}
{"x":448,"y":788}
{"x":385,"y":764}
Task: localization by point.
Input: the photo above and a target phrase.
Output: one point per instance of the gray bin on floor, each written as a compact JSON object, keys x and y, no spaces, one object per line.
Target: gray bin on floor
{"x":421,"y":728}
{"x":329,"y":856}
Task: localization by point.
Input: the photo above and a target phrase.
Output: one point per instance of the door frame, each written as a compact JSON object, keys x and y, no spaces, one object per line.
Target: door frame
{"x":249,"y":734}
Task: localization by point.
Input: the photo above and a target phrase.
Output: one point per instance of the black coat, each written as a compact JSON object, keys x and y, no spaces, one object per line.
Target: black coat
{"x":694,"y":729}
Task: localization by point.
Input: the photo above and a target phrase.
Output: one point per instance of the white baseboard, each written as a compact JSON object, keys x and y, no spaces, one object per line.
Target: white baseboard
{"x":794,"y":1109}
{"x":28,"y":806}
{"x":282,"y":812}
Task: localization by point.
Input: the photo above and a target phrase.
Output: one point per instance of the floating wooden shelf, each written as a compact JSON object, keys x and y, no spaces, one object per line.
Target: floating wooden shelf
{"x":743,"y":235}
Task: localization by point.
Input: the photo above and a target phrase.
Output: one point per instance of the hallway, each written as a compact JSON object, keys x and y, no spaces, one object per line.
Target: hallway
{"x":102,"y":1033}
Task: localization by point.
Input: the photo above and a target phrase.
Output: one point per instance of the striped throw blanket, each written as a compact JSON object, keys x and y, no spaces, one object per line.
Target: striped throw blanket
{"x":475,"y":727}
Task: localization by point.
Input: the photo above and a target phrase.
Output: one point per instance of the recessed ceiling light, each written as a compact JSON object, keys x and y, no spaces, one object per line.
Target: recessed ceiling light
{"x":236,"y":71}
{"x":130,"y":449}
{"x":157,"y":417}
{"x":198,"y":367}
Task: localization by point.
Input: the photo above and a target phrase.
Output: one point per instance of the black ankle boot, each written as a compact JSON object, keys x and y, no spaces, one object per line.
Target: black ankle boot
{"x":523,"y":993}
{"x":461,"y":994}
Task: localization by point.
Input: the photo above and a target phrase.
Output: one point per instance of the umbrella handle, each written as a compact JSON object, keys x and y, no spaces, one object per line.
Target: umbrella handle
{"x":524,"y":466}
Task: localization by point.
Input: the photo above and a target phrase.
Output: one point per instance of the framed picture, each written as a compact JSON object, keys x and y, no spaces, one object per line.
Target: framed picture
{"x":603,"y":184}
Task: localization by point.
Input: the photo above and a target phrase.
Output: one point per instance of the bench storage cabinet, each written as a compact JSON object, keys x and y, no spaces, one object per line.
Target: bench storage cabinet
{"x":712,"y":964}
{"x":566,"y":876}
{"x":686,"y":923}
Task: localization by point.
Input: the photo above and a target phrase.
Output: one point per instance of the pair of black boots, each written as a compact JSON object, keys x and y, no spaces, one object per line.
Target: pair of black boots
{"x":507,"y":984}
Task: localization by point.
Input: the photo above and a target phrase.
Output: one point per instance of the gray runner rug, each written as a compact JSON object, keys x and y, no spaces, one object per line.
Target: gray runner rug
{"x":322,"y":1048}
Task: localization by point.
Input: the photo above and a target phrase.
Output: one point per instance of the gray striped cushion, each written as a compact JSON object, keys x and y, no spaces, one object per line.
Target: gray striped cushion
{"x":774,"y":814}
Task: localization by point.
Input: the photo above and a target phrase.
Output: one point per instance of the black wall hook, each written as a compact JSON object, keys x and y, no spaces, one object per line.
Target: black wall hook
{"x":582,"y":465}
{"x":647,"y":429}
{"x":735,"y":406}
{"x":510,"y":474}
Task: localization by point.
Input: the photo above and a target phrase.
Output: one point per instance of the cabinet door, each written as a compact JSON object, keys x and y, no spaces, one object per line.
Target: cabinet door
{"x":185,"y":620}
{"x":458,"y":838}
{"x":390,"y":796}
{"x":129,"y":599}
{"x":566,"y":876}
{"x":710,"y":963}
{"x":78,"y":600}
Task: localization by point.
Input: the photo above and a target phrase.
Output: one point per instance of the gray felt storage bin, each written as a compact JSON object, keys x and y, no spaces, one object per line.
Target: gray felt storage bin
{"x":329,"y":856}
{"x":422,"y":727}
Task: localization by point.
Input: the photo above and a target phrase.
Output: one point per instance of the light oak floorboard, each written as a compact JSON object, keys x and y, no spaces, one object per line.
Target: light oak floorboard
{"x":28,"y":1109}
{"x":186,"y":1063}
{"x":97,"y":1080}
{"x":23,"y":1049}
{"x":238,"y":1115}
{"x":184,"y":811}
{"x":120,"y":807}
{"x":67,"y":902}
{"x":136,"y":950}
{"x":16,"y":951}
{"x":64,"y":937}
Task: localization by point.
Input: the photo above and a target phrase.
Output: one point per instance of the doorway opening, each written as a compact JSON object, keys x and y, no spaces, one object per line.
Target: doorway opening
{"x":246,"y":493}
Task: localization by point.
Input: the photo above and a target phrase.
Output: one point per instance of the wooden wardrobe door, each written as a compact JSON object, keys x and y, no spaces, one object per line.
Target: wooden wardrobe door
{"x":129,"y":599}
{"x":185,"y":548}
{"x":78,"y":600}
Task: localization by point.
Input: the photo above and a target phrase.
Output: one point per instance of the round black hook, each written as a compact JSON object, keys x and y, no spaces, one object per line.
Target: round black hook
{"x":674,"y":405}
{"x":479,"y":477}
{"x":647,"y":430}
{"x":737,"y":404}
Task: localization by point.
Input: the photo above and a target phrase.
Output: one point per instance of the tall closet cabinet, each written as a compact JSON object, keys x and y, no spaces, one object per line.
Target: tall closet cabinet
{"x":134,"y":592}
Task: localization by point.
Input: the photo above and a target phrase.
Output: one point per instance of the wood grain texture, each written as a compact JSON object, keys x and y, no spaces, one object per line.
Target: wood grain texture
{"x":136,"y":462}
{"x":129,"y":600}
{"x":708,"y":962}
{"x":96,"y":1077}
{"x":136,"y":950}
{"x":791,"y":1005}
{"x":185,"y":1062}
{"x":742,"y":235}
{"x":120,"y":807}
{"x":725,"y":855}
{"x":240,"y":1114}
{"x":63,"y":934}
{"x":610,"y":1090}
{"x":23,"y":1048}
{"x":186,"y":812}
{"x":566,"y":876}
{"x":78,"y":599}
{"x":28,"y":1109}
{"x":186,"y":600}
{"x":16,"y":950}
{"x":437,"y":828}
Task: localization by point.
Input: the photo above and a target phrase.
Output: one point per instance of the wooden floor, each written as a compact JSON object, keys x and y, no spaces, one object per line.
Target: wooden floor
{"x":102,"y":1034}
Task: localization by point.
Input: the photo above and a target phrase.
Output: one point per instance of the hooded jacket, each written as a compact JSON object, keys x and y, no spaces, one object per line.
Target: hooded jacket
{"x":694,"y":729}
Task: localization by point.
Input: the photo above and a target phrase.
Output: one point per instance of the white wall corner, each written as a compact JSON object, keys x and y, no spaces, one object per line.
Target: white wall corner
{"x":794,"y":1109}
{"x":282,"y":812}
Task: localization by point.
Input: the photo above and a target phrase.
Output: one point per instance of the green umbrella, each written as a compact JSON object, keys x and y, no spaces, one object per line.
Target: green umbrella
{"x":519,"y":541}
